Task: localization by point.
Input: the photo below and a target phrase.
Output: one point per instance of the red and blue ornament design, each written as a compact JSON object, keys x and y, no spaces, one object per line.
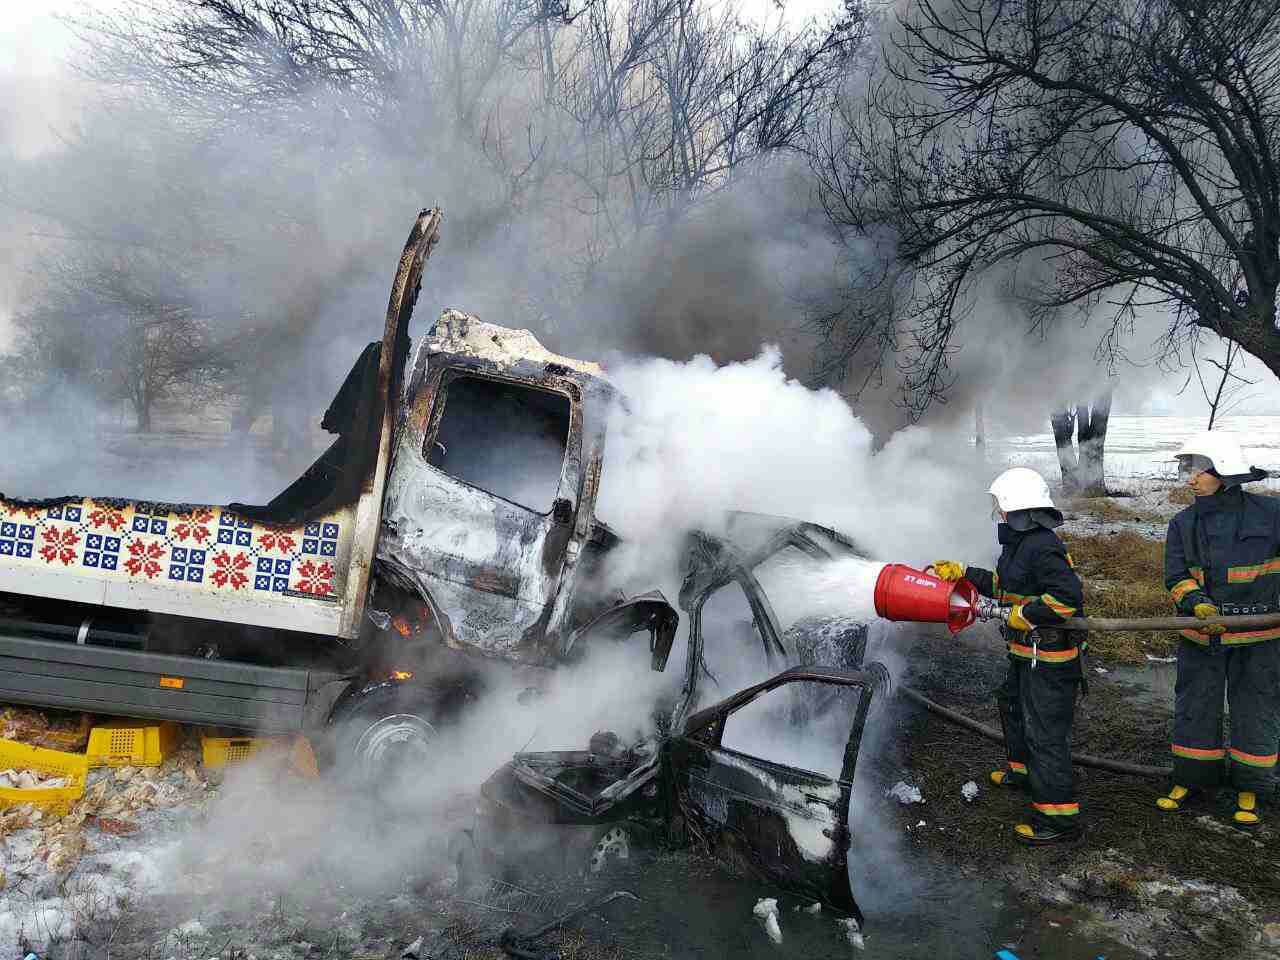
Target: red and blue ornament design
{"x":204,"y":548}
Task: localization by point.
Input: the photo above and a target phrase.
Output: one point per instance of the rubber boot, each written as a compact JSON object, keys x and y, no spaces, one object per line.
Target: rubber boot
{"x":1010,"y":779}
{"x":1043,"y":836}
{"x":1247,"y":814}
{"x":1177,"y":797}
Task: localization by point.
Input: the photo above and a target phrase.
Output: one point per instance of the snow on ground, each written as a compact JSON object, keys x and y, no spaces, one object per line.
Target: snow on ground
{"x":1140,"y":449}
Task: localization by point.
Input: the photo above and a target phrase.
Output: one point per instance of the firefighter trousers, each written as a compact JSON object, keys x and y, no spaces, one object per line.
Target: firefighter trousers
{"x":1249,"y":675}
{"x":1037,"y":707}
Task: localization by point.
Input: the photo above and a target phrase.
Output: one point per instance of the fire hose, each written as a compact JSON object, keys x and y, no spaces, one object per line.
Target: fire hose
{"x":1102,"y":625}
{"x":991,"y":733}
{"x":985,"y":609}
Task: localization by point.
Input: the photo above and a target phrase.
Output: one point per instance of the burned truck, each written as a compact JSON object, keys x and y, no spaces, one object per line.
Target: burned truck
{"x":351,"y":602}
{"x":451,"y":522}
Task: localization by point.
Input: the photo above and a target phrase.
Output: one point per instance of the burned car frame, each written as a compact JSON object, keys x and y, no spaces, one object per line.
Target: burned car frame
{"x":682,"y":784}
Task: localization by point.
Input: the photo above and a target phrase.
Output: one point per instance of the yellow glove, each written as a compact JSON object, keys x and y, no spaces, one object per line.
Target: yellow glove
{"x":948,"y":569}
{"x":1207,"y":611}
{"x":1017,"y":621}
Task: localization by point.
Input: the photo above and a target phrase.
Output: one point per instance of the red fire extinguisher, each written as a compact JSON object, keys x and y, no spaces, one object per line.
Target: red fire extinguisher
{"x":905,"y":593}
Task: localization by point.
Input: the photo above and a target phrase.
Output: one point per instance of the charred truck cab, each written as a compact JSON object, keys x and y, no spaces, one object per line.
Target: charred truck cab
{"x":453,"y":515}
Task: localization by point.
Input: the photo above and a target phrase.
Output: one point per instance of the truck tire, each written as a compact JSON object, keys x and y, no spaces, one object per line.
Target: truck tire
{"x":384,"y":740}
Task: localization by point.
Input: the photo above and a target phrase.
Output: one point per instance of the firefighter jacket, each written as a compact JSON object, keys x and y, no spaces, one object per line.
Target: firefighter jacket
{"x":1035,"y":570}
{"x":1225,"y":550}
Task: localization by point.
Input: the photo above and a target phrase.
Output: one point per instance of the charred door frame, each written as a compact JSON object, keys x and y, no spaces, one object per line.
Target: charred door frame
{"x":742,"y":814}
{"x":571,"y":469}
{"x":715,"y":563}
{"x":424,"y":410}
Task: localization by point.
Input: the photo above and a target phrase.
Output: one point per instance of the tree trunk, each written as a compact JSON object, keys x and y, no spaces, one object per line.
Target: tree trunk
{"x":1091,"y":427}
{"x":1082,"y":469}
{"x":1064,"y":425}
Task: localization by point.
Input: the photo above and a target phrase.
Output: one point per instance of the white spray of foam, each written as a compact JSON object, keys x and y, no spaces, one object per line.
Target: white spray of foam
{"x":700,"y":439}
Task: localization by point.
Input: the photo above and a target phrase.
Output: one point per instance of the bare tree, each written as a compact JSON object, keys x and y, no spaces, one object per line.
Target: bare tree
{"x":1081,"y":456}
{"x":1132,"y":146}
{"x":235,"y":124}
{"x":1228,"y":392}
{"x":670,"y":100}
{"x":228,"y":59}
{"x":116,"y":328}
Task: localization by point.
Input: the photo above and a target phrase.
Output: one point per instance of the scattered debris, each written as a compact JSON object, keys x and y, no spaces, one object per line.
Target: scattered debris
{"x":905,"y":794}
{"x":117,"y":828}
{"x":37,"y":729}
{"x":1161,"y":659}
{"x":766,"y":911}
{"x":852,"y":932}
{"x":413,"y":951}
{"x":969,"y":791}
{"x":31,"y":780}
{"x":522,"y":945}
{"x":1206,"y":822}
{"x":1102,"y":671}
{"x":813,"y":908}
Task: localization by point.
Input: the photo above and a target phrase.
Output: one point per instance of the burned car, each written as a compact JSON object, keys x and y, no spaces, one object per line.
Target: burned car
{"x":717,"y":774}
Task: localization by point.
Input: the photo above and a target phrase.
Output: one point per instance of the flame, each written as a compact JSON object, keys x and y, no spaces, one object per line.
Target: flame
{"x":402,"y":626}
{"x":402,"y":675}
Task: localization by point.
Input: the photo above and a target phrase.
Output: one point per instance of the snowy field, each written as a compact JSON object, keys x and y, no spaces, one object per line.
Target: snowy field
{"x":1138,"y":448}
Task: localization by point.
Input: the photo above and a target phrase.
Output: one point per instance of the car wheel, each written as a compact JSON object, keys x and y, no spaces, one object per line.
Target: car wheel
{"x":613,"y":844}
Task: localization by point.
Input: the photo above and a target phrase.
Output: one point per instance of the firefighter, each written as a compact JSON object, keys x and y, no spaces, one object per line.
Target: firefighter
{"x":1037,"y":699}
{"x":1222,"y":557}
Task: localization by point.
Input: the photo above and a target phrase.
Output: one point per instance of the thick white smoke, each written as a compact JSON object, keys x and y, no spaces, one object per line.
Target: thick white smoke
{"x":700,"y":439}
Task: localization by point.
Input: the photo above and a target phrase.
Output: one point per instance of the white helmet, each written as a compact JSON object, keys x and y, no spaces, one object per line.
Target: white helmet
{"x":1020,"y":488}
{"x":1224,"y":454}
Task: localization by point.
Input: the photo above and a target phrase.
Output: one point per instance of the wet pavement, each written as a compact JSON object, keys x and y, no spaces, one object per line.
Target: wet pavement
{"x":928,"y":910}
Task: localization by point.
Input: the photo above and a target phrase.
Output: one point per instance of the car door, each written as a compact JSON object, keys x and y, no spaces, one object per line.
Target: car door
{"x":753,"y":797}
{"x":481,"y":512}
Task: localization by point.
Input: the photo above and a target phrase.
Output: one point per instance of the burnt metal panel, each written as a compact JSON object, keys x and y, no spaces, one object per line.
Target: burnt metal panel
{"x":789,"y":825}
{"x":649,"y":612}
{"x":135,"y":683}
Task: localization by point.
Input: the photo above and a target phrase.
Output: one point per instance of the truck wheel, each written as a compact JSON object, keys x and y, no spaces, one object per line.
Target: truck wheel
{"x":385,"y":741}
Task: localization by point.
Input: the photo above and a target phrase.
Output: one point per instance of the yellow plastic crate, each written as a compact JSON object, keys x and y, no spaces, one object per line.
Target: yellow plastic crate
{"x":220,"y":751}
{"x":56,"y":800}
{"x":131,"y":746}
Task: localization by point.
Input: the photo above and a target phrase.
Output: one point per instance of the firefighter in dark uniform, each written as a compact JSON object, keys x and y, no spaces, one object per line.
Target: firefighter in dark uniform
{"x":1037,"y":700}
{"x":1222,"y":557}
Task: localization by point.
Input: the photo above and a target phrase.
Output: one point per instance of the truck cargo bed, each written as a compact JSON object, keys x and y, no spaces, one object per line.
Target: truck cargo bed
{"x":135,"y":683}
{"x":195,"y":561}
